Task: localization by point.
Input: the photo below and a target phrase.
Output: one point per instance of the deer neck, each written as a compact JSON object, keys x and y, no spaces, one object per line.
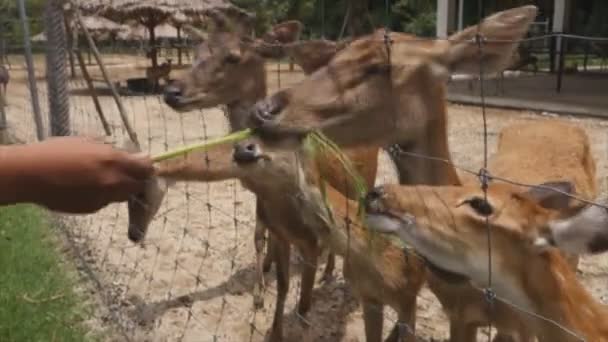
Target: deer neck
{"x":254,"y":90}
{"x":557,"y":294}
{"x":432,"y":141}
{"x":335,"y":219}
{"x":208,"y":166}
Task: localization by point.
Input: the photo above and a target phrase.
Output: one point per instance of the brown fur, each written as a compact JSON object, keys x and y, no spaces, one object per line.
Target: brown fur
{"x":539,"y":152}
{"x":380,"y":94}
{"x":312,"y":55}
{"x":278,"y":182}
{"x":531,"y":153}
{"x":537,"y":280}
{"x":565,"y":156}
{"x":346,"y":74}
{"x":284,"y":33}
{"x":239,"y":82}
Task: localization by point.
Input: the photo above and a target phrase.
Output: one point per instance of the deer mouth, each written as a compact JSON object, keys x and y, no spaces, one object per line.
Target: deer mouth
{"x":383,"y":220}
{"x":246,"y":154}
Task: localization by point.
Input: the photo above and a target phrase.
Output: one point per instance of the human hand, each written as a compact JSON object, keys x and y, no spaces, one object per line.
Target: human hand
{"x":77,"y":175}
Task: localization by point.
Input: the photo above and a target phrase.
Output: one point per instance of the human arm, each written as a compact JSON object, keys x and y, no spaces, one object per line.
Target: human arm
{"x":70,"y":174}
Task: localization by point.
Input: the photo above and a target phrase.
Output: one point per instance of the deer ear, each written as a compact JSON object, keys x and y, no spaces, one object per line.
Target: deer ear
{"x":312,"y":55}
{"x":584,"y":231}
{"x":268,"y":50}
{"x":546,"y":196}
{"x":500,"y":34}
{"x":284,"y":33}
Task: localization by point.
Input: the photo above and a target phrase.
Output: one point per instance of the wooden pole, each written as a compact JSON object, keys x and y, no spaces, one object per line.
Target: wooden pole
{"x":153,"y":51}
{"x":89,"y":81}
{"x":106,"y":77}
{"x":31,"y":76}
{"x":179,"y":45}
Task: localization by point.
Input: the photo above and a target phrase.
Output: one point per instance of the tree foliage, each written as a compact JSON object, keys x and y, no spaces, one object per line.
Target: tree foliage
{"x":327,"y":17}
{"x":10,"y":24}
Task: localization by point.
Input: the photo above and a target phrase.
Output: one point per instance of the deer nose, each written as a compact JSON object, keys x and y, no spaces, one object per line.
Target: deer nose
{"x":172,"y":94}
{"x":372,"y":199}
{"x":245,"y":152}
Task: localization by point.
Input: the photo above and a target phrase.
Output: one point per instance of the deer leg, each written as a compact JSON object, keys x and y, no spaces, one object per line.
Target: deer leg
{"x":373,"y":317}
{"x":267,"y":264}
{"x":258,"y":241}
{"x":505,"y":338}
{"x":260,"y":238}
{"x":329,"y":267}
{"x":281,"y":257}
{"x":460,"y":331}
{"x":405,"y":329}
{"x":572,"y":260}
{"x":308,"y":279}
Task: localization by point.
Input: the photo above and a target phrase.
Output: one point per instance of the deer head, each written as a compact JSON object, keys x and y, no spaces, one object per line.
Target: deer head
{"x":228,"y":66}
{"x":212,"y":166}
{"x":447,"y":226}
{"x":261,"y":169}
{"x":383,"y":87}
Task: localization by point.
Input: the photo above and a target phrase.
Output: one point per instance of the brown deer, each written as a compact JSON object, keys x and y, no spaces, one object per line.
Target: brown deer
{"x":310,"y":55}
{"x":447,"y":226}
{"x":388,"y":88}
{"x":435,"y":141}
{"x":313,"y":54}
{"x":230,"y":70}
{"x":4,"y":78}
{"x":288,"y":182}
{"x":153,"y":74}
{"x":275,"y":178}
{"x":284,"y":33}
{"x":535,"y":153}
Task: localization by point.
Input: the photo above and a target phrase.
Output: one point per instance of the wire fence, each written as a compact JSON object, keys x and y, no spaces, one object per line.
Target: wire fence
{"x":193,"y":277}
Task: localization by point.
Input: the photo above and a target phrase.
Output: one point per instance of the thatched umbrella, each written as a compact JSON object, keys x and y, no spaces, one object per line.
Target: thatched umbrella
{"x":153,"y":12}
{"x":99,"y":27}
{"x":140,"y":32}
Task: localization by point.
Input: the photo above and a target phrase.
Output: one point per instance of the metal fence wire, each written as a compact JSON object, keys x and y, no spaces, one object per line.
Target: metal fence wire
{"x":192,"y":278}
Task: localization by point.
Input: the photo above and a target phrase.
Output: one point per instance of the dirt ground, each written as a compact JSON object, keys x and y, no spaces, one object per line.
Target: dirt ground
{"x":192,"y":280}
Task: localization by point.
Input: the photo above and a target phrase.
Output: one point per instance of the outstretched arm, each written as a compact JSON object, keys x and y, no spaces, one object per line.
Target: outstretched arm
{"x":70,"y":174}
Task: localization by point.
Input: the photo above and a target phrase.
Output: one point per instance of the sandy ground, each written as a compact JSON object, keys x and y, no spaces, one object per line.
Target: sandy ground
{"x":192,"y":281}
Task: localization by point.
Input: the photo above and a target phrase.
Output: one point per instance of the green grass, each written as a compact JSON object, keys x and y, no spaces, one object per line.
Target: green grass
{"x":37,"y":301}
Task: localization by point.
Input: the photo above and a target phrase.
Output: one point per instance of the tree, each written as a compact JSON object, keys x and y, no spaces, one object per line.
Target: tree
{"x":10,"y":27}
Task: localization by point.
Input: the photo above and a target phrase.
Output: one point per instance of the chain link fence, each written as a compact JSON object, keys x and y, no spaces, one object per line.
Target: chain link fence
{"x":193,"y":277}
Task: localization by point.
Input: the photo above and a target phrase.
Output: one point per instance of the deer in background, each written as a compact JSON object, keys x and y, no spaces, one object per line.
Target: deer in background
{"x":448,"y":227}
{"x":284,"y":33}
{"x":4,"y":78}
{"x":153,"y":74}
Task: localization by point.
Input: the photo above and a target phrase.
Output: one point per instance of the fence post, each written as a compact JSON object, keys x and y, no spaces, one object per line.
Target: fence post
{"x":561,"y":62}
{"x":106,"y":77}
{"x":56,"y":70}
{"x":31,"y":76}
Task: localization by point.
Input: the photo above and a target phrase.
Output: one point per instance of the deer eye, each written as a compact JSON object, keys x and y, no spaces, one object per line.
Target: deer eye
{"x":481,"y":206}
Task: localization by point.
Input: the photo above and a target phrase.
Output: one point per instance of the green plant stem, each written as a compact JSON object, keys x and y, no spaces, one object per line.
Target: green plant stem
{"x":230,"y":138}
